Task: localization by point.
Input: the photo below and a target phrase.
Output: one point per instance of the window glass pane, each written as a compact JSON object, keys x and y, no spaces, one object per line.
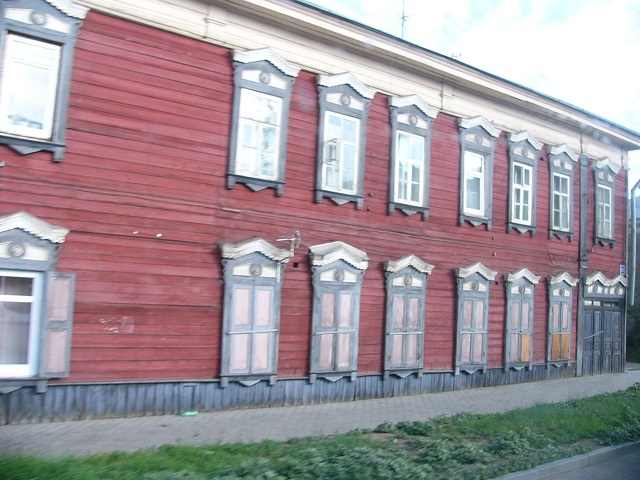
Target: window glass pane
{"x":331,"y":175}
{"x":417,"y":148}
{"x":344,"y":350}
{"x":515,"y":315}
{"x":346,"y":309}
{"x":564,"y":219}
{"x":465,"y":348}
{"x":258,"y":133}
{"x":398,"y":312}
{"x":326,"y":350}
{"x":349,"y":130}
{"x":409,"y":167}
{"x":261,"y":347}
{"x":412,"y":349}
{"x":565,"y":316}
{"x":525,"y":316}
{"x":16,"y":286}
{"x":479,"y":315}
{"x":397,"y":349}
{"x":402,"y":181}
{"x":404,"y":145}
{"x":416,"y":192}
{"x":526,"y":347}
{"x":555,"y":317}
{"x":334,"y":130}
{"x":473,"y":162}
{"x":514,"y":347}
{"x":240,"y":352}
{"x":467,"y":315}
{"x":328,"y":309}
{"x":472,"y":193}
{"x":477,"y":347}
{"x":341,"y":153}
{"x":263,"y":307}
{"x":517,"y":174}
{"x":29,"y":84}
{"x":241,"y":307}
{"x":347,"y":179}
{"x":15,"y":324}
{"x":414,"y":308}
{"x":525,"y":207}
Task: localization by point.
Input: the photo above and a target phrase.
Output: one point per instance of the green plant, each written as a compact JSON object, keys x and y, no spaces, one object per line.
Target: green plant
{"x":465,"y":446}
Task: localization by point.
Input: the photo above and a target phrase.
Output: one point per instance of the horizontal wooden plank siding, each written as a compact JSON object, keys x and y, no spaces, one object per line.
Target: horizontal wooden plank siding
{"x":143,"y":191}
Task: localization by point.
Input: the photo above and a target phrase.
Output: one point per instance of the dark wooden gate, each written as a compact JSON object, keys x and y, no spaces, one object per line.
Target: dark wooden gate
{"x":602,"y":338}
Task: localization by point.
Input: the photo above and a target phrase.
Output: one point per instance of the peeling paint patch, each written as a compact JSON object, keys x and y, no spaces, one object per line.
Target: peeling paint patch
{"x":119,"y":325}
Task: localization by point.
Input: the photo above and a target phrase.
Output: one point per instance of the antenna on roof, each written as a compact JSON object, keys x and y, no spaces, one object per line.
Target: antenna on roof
{"x":403,"y":19}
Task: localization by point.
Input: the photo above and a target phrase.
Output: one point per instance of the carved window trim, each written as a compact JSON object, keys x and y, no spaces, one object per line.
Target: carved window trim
{"x":337,"y":273}
{"x":29,"y":248}
{"x":560,"y":320}
{"x":343,"y":98}
{"x":412,"y":118}
{"x":265,"y":77}
{"x":474,"y":289}
{"x":253,"y":273}
{"x":562,"y":166}
{"x":605,"y":172}
{"x":49,"y":23}
{"x":477,"y":141}
{"x":406,"y":288}
{"x":524,"y":151}
{"x":520,"y":288}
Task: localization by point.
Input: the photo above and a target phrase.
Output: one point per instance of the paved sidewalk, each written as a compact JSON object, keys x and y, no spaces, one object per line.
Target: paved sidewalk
{"x":131,"y":434}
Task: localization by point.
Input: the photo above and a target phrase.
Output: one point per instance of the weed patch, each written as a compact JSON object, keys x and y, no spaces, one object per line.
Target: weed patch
{"x":465,"y":446}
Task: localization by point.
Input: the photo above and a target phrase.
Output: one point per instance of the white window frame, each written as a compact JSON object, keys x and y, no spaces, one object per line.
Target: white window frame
{"x":36,"y":300}
{"x":561,"y":203}
{"x":562,"y":166}
{"x":473,"y":174}
{"x":604,"y":207}
{"x":524,"y":152}
{"x":13,"y":83}
{"x":518,"y":190}
{"x":258,"y":126}
{"x":334,"y":148}
{"x":477,"y":142}
{"x":409,"y":163}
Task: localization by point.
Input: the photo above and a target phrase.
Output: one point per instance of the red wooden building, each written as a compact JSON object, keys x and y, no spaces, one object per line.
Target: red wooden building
{"x":224,"y":204}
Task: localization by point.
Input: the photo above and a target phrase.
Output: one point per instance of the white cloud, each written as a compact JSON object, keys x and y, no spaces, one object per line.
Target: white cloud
{"x":582,"y":52}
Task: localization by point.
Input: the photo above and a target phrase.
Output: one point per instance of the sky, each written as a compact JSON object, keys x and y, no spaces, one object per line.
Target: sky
{"x":583,"y":52}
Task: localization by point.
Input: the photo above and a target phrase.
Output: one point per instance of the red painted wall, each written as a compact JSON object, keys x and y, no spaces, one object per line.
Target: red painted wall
{"x":143,"y":190}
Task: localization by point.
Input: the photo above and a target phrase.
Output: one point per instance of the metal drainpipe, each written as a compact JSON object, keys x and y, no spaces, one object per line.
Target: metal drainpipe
{"x":582,"y":262}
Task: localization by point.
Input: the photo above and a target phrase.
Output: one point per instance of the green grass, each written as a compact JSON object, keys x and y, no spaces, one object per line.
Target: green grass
{"x":465,"y":446}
